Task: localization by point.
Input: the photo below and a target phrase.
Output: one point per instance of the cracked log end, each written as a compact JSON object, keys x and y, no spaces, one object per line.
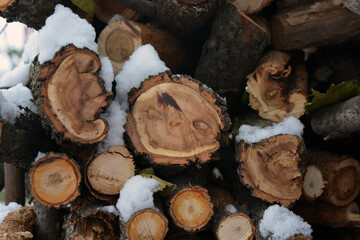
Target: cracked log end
{"x":175,"y":120}
{"x":191,"y":208}
{"x":55,"y":180}
{"x":147,"y":224}
{"x":271,"y":168}
{"x":73,"y":95}
{"x":276,"y":90}
{"x":106,"y":174}
{"x":314,"y":183}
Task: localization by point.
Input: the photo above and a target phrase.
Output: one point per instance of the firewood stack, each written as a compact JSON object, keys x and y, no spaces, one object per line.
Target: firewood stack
{"x":231,"y":123}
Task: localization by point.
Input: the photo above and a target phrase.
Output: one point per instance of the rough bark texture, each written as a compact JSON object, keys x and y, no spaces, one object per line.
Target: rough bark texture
{"x":340,"y":173}
{"x":18,"y":225}
{"x":121,"y":38}
{"x":278,"y":87}
{"x":55,"y":180}
{"x":337,"y":121}
{"x":14,"y":184}
{"x":72,"y":116}
{"x":106,"y":174}
{"x":33,"y":13}
{"x":106,"y":9}
{"x":352,"y":5}
{"x":48,"y":222}
{"x":174,"y":120}
{"x":271,"y":168}
{"x":314,"y":25}
{"x":232,"y":50}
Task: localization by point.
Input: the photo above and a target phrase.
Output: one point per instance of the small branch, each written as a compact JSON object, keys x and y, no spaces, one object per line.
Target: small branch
{"x":145,"y":7}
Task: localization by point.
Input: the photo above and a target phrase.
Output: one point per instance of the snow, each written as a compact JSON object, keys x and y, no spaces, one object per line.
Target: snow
{"x":110,"y":209}
{"x":136,"y":195}
{"x":116,"y":17}
{"x":280,"y":223}
{"x":39,"y":156}
{"x":253,"y":134}
{"x":217,"y":174}
{"x":5,"y":210}
{"x":62,"y":28}
{"x":20,"y":74}
{"x":31,"y":48}
{"x":230,"y":208}
{"x":106,"y":72}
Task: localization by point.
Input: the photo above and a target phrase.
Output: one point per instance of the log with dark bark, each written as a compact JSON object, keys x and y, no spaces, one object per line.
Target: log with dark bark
{"x":106,"y":9}
{"x":271,"y":168}
{"x":314,"y":25}
{"x":251,"y":6}
{"x":48,"y":222}
{"x":337,"y":121}
{"x":188,"y":19}
{"x":18,"y":225}
{"x":55,"y":180}
{"x":121,"y":38}
{"x":232,"y":50}
{"x":332,"y":178}
{"x":69,"y":95}
{"x":175,"y":121}
{"x":106,"y":174}
{"x":278,"y":90}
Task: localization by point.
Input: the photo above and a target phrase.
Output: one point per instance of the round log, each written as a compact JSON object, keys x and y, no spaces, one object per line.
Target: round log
{"x":174,"y":120}
{"x":55,"y":180}
{"x":314,"y":183}
{"x":251,"y":6}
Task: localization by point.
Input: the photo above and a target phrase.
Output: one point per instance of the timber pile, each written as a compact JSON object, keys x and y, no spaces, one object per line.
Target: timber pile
{"x":180,"y":125}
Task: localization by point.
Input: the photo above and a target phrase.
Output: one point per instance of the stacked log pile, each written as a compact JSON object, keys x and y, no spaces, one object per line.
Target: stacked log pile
{"x":243,"y":69}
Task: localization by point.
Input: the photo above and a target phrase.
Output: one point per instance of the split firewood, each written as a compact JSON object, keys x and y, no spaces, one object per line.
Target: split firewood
{"x":229,"y":222}
{"x":106,"y":9}
{"x":303,"y":26}
{"x":232,"y":50}
{"x":337,"y":121}
{"x":175,"y":121}
{"x":352,"y":5}
{"x":326,"y":214}
{"x":188,"y":19}
{"x":48,"y":222}
{"x":332,"y":178}
{"x":55,"y":180}
{"x":278,"y":90}
{"x":18,"y":225}
{"x":121,"y":38}
{"x":270,"y":168}
{"x":69,"y":95}
{"x":251,"y":6}
{"x":106,"y":174}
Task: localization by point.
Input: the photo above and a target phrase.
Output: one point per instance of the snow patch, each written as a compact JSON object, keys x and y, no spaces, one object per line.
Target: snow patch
{"x":6,"y":209}
{"x":280,"y":223}
{"x":230,"y":208}
{"x":110,"y":209}
{"x":20,"y":74}
{"x":217,"y":174}
{"x":116,"y":17}
{"x":31,"y":48}
{"x":136,"y":195}
{"x":39,"y":156}
{"x":253,"y":134}
{"x":107,"y":73}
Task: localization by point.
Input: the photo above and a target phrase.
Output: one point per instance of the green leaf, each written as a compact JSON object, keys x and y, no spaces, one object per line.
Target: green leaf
{"x":87,"y":6}
{"x":165,"y":187}
{"x":335,"y":94}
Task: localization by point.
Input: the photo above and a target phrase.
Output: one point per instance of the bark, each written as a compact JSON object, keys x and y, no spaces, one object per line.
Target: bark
{"x":106,"y":9}
{"x":281,"y":4}
{"x":121,"y":38}
{"x":48,"y":222}
{"x":33,"y":13}
{"x":340,"y":173}
{"x":70,"y":96}
{"x":251,"y":6}
{"x":55,"y":180}
{"x":188,"y":20}
{"x":106,"y":174}
{"x":272,"y":168}
{"x":352,"y":5}
{"x":277,"y":88}
{"x":14,"y":184}
{"x":314,"y":25}
{"x":337,"y":121}
{"x":18,"y":225}
{"x":232,"y":50}
{"x":175,"y":121}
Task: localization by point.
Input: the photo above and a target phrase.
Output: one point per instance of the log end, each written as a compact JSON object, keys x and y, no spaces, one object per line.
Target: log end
{"x":236,"y":226}
{"x":314,"y":184}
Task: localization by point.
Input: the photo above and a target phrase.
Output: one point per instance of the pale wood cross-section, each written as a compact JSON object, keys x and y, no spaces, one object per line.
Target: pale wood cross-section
{"x":5,"y":3}
{"x":251,"y":6}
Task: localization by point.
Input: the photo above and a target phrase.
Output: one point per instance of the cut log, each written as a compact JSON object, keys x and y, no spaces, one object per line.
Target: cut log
{"x":55,"y":180}
{"x":106,"y":9}
{"x":106,"y":174}
{"x":271,"y":168}
{"x":145,"y":224}
{"x":69,"y":95}
{"x":174,"y":120}
{"x":339,"y":173}
{"x":121,"y":38}
{"x":278,"y":90}
{"x":232,"y":50}
{"x":352,"y":5}
{"x":251,"y":6}
{"x":48,"y":222}
{"x":229,"y":222}
{"x":187,"y":19}
{"x":337,"y":121}
{"x":326,"y":214}
{"x":18,"y":225}
{"x":314,"y":25}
